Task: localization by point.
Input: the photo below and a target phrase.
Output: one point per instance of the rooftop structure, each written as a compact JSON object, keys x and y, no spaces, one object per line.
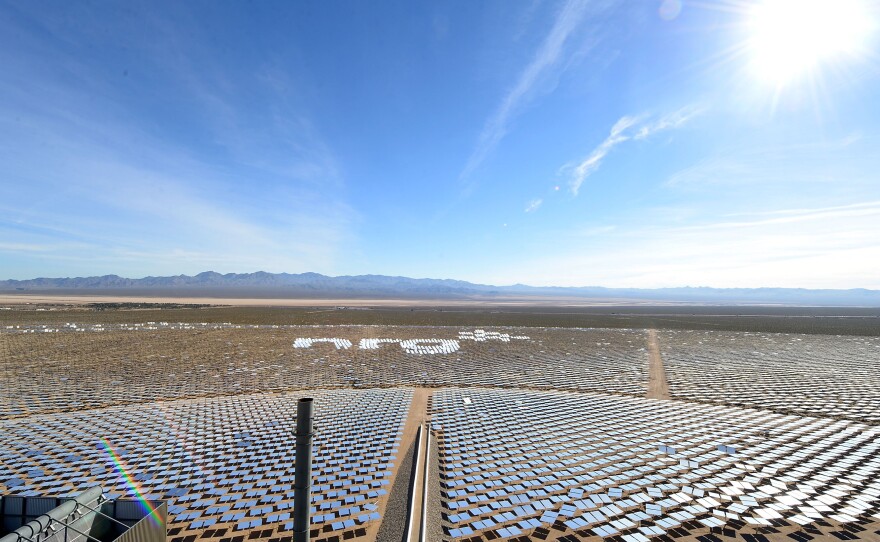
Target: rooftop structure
{"x":89,"y":516}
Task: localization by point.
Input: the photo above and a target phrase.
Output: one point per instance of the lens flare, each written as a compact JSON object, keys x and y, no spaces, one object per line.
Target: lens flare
{"x":133,"y":487}
{"x":669,"y":9}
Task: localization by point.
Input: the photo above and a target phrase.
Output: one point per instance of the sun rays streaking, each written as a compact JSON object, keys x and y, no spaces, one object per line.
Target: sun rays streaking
{"x":789,"y":53}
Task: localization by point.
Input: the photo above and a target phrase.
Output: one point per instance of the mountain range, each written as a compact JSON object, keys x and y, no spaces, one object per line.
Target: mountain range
{"x":314,"y":285}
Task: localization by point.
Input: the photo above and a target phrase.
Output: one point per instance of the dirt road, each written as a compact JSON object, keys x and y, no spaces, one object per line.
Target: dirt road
{"x":396,"y":506}
{"x":658,"y":387}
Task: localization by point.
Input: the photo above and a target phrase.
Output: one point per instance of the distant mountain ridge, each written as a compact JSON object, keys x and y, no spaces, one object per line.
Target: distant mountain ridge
{"x":315,"y":284}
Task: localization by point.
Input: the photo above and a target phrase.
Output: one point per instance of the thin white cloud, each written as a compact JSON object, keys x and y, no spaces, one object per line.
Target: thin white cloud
{"x":822,"y":161}
{"x":546,"y":58}
{"x":594,"y":160}
{"x":802,"y":211}
{"x":259,"y":188}
{"x":715,"y":170}
{"x":598,"y":230}
{"x":24,"y":247}
{"x":534,"y":205}
{"x":822,"y":247}
{"x":626,"y":128}
{"x":787,"y":216}
{"x":178,"y":208}
{"x":669,"y":122}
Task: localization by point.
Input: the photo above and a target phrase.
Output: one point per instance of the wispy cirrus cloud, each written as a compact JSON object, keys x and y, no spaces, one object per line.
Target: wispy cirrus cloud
{"x":548,"y":56}
{"x":534,"y":205}
{"x":796,"y":162}
{"x":669,"y":121}
{"x":592,"y":162}
{"x":25,"y":247}
{"x":234,"y":175}
{"x":628,"y":128}
{"x":787,"y":216}
{"x":819,"y":247}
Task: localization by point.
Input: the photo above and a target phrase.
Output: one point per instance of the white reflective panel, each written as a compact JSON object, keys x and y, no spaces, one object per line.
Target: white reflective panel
{"x":810,"y":375}
{"x":340,"y":344}
{"x":429,"y":346}
{"x":240,"y":482}
{"x":591,"y":457}
{"x":162,"y":361}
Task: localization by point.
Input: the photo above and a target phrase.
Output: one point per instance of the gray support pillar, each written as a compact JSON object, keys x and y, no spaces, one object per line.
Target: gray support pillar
{"x":302,"y":483}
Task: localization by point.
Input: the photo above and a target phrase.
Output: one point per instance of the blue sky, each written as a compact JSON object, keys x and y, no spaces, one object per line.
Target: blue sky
{"x":565,"y":143}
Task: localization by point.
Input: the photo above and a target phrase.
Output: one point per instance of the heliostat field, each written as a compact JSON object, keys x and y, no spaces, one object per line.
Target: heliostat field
{"x":537,"y":433}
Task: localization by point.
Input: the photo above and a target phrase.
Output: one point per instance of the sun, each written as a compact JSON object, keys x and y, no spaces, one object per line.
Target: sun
{"x":790,"y":39}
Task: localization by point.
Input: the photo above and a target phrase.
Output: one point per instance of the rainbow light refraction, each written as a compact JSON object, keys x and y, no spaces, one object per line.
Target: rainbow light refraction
{"x":117,"y":462}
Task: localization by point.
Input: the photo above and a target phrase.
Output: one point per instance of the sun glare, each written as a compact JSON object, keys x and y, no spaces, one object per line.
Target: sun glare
{"x":792,"y":38}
